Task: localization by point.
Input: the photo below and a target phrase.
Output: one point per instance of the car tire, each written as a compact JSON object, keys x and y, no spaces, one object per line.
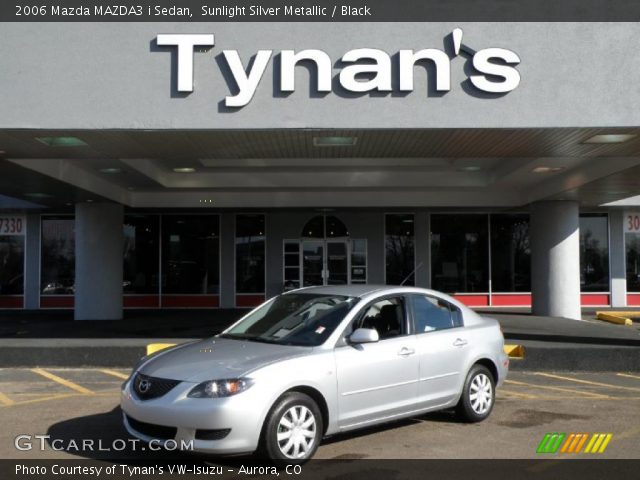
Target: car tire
{"x":293,"y":430}
{"x":478,"y":395}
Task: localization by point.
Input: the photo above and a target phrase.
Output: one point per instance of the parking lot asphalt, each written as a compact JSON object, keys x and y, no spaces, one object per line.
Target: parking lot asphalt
{"x":72,"y":405}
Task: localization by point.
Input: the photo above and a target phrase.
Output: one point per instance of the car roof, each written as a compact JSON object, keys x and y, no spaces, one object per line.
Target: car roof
{"x":347,"y":290}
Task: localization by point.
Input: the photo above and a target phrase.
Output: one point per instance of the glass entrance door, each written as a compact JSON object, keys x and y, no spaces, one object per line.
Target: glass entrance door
{"x":313,"y":262}
{"x":325,"y":262}
{"x":337,"y":263}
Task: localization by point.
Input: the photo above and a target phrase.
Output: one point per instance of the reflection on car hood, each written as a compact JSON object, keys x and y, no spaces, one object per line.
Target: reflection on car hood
{"x":218,"y":358}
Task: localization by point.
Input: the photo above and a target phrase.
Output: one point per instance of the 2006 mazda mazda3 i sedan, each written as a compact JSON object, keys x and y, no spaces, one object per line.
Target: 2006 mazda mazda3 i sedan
{"x":314,"y":362}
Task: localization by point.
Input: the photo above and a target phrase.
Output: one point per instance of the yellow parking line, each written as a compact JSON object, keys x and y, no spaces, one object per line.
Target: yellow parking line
{"x":587,"y":382}
{"x":517,"y":394}
{"x":113,"y":373}
{"x":628,"y":434}
{"x":45,"y":399}
{"x":5,"y":400}
{"x":559,"y":389}
{"x":627,"y":375}
{"x":55,"y":397}
{"x":62,"y":381}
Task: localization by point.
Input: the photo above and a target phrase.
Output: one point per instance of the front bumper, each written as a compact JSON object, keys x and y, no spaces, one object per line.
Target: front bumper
{"x":184,"y":416}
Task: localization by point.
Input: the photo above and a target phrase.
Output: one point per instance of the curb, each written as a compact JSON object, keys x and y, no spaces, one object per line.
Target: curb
{"x":156,"y":347}
{"x":619,"y":318}
{"x":514,"y":351}
{"x":539,"y":356}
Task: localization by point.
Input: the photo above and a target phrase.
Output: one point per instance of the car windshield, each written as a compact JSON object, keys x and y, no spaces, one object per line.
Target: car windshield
{"x":303,"y":319}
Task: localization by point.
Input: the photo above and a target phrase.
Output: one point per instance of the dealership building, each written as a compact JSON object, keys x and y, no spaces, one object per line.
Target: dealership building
{"x":214,"y":165}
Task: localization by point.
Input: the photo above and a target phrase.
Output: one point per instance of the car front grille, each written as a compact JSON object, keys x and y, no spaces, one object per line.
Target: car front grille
{"x":147,"y":387}
{"x":161,"y":432}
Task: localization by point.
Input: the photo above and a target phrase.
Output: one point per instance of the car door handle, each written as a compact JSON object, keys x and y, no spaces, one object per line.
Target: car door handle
{"x":459,"y":342}
{"x":405,"y":352}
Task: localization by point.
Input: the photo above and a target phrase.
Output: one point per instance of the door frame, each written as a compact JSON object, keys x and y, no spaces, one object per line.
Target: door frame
{"x":346,"y":241}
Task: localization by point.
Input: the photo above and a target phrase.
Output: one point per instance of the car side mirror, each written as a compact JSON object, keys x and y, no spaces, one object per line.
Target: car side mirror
{"x":364,"y":335}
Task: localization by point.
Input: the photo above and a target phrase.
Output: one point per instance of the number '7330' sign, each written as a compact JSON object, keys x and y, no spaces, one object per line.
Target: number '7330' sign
{"x":12,"y":225}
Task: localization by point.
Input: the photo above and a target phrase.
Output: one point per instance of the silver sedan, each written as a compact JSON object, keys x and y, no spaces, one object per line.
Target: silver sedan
{"x":314,"y":362}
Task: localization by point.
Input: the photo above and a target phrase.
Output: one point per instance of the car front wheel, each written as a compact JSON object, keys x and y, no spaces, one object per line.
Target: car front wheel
{"x":293,"y":429}
{"x":478,"y":395}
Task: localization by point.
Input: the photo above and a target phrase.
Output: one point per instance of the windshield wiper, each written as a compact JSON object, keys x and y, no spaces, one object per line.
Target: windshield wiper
{"x":250,"y":338}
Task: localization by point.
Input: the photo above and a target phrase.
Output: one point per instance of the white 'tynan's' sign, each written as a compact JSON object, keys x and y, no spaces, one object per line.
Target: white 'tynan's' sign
{"x":365,"y":70}
{"x":12,"y":225}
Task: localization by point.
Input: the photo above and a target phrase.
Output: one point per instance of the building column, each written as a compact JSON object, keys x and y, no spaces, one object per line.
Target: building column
{"x":617,"y":259}
{"x":227,"y":260}
{"x":99,"y":243}
{"x":422,"y":233}
{"x":555,"y":259}
{"x":32,"y":264}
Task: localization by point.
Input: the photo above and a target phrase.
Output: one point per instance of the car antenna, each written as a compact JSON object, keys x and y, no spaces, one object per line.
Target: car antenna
{"x":412,"y":272}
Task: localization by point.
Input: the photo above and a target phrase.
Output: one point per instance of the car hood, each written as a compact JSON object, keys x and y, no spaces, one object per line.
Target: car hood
{"x":217,"y":358}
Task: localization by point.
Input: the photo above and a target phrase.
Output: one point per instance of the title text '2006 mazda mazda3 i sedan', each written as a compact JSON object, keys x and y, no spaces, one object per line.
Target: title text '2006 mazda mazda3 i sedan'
{"x":314,"y":362}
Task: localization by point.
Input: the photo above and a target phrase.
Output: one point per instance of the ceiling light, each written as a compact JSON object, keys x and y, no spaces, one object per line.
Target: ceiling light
{"x":37,"y":195}
{"x":89,"y":200}
{"x":471,"y":168}
{"x":547,"y":169}
{"x":611,"y":138}
{"x":69,"y":204}
{"x":111,"y":170}
{"x":334,"y":141}
{"x":62,"y":141}
{"x":184,"y":169}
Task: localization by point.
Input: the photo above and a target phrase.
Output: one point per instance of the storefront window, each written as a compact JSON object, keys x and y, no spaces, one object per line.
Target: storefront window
{"x":335,"y":228}
{"x":632,"y":253}
{"x":190,"y":254}
{"x":250,"y":253}
{"x":57,"y":272}
{"x":141,"y":254}
{"x":510,"y":253}
{"x":594,"y":253}
{"x":359,"y":261}
{"x":459,"y":253}
{"x":291,"y":265}
{"x":322,"y":226}
{"x":11,"y":264}
{"x":314,"y":228}
{"x":400,"y":249}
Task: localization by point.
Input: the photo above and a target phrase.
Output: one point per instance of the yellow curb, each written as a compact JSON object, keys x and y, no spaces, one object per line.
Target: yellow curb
{"x":614,"y":317}
{"x":514,"y":351}
{"x":623,"y":313}
{"x":156,"y":347}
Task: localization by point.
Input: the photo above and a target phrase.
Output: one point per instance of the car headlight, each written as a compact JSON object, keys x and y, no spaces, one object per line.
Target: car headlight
{"x":220,"y":388}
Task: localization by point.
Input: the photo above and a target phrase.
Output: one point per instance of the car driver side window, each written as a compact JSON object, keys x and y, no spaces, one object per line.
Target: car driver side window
{"x":432,"y":313}
{"x":386,"y":316}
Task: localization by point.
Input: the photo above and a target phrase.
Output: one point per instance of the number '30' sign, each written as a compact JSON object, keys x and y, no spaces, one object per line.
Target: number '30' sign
{"x":632,"y":222}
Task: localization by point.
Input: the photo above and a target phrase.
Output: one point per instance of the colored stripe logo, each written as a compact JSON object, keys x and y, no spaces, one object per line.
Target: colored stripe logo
{"x":574,"y":443}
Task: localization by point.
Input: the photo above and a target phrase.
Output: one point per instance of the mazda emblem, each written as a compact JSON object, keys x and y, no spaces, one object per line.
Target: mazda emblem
{"x":144,"y":386}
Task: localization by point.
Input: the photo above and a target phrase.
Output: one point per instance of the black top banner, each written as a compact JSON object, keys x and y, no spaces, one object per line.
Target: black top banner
{"x":320,"y":11}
